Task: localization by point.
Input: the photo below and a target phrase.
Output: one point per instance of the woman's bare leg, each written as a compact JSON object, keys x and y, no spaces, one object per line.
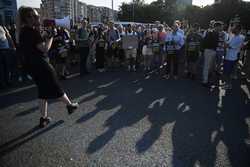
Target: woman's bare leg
{"x":65,"y":99}
{"x":44,"y":108}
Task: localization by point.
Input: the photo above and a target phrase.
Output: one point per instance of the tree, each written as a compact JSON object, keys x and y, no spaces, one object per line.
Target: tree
{"x":168,"y":10}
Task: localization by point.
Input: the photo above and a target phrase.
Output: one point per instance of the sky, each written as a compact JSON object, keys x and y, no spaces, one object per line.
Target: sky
{"x":107,"y":3}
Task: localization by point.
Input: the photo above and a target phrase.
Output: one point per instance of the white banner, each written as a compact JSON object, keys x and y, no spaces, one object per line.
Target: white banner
{"x":65,"y":22}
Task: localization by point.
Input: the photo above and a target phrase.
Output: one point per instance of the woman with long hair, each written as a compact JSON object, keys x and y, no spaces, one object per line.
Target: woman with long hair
{"x":33,"y":49}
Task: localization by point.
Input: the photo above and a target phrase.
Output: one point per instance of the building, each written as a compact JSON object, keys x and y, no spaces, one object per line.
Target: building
{"x":74,"y":10}
{"x":101,"y":14}
{"x":109,"y":14}
{"x":94,"y":13}
{"x":8,"y":10}
{"x":184,"y":2}
{"x":77,"y":10}
{"x":82,"y":11}
{"x":57,"y":9}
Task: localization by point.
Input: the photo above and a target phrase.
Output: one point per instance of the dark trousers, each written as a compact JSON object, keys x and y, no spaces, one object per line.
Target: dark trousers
{"x":172,"y":60}
{"x":84,"y":53}
{"x":100,"y":57}
{"x":5,"y":66}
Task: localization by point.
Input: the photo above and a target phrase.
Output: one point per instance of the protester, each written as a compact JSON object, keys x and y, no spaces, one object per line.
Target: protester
{"x":6,"y":56}
{"x":62,"y":56}
{"x":162,"y":37}
{"x":131,"y":52}
{"x":233,"y":49}
{"x":156,"y":48}
{"x":121,"y":53}
{"x":113,"y":38}
{"x":73,"y":49}
{"x":210,"y":43}
{"x":220,"y":50}
{"x":193,"y":44}
{"x":100,"y":50}
{"x":83,"y":44}
{"x":33,"y":47}
{"x":140,"y":34}
{"x":147,"y":50}
{"x":174,"y":43}
{"x":247,"y":56}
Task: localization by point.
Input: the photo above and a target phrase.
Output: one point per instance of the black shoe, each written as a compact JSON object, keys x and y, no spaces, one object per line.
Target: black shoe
{"x":72,"y":107}
{"x":44,"y":122}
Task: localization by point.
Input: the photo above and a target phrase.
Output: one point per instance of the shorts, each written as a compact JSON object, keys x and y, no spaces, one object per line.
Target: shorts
{"x":130,"y":53}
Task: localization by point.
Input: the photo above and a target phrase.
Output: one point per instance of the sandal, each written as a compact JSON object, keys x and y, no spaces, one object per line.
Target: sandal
{"x":72,"y":107}
{"x":44,"y":122}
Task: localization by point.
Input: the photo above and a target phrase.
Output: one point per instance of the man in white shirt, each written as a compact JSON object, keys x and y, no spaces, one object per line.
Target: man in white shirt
{"x":178,"y":23}
{"x":233,"y":48}
{"x":174,"y":43}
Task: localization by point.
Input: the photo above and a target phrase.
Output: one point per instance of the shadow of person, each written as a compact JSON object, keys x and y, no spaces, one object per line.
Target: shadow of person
{"x":102,"y":98}
{"x":158,"y":117}
{"x":191,"y":136}
{"x":123,"y":118}
{"x":196,"y":119}
{"x":235,"y":127}
{"x":130,"y":109}
{"x":114,"y":93}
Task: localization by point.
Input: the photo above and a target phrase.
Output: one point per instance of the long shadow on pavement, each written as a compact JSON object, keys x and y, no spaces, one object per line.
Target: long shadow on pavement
{"x":197,"y":128}
{"x":131,"y":108}
{"x":22,"y":139}
{"x":235,"y":130}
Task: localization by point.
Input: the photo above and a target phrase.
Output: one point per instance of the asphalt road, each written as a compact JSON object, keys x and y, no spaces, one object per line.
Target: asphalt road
{"x":129,"y":120}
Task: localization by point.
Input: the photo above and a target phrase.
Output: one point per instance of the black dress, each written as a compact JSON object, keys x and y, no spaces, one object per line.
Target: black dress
{"x":38,"y":66}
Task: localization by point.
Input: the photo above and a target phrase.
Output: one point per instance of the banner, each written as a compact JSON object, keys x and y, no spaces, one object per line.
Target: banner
{"x":65,"y":22}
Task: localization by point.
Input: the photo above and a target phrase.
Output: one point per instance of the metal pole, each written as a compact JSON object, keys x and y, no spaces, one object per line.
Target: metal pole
{"x":133,"y":11}
{"x":113,"y":16}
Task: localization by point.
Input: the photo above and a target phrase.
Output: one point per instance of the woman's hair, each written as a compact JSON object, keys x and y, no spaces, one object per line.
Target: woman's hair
{"x":23,"y":15}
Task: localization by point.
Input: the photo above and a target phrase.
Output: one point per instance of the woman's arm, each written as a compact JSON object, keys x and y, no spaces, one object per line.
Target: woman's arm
{"x":10,"y":40}
{"x":45,"y":46}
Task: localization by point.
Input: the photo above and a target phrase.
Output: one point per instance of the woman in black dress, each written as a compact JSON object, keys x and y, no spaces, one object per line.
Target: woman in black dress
{"x":33,"y":48}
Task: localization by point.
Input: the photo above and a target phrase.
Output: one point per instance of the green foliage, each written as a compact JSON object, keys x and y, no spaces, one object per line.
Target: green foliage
{"x":168,"y":10}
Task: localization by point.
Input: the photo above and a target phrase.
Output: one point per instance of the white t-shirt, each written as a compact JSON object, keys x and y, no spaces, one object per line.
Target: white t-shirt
{"x":235,"y":44}
{"x":130,"y":33}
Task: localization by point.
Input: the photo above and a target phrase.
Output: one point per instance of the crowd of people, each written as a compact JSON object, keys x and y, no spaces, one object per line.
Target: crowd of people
{"x":29,"y":51}
{"x":169,"y":49}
